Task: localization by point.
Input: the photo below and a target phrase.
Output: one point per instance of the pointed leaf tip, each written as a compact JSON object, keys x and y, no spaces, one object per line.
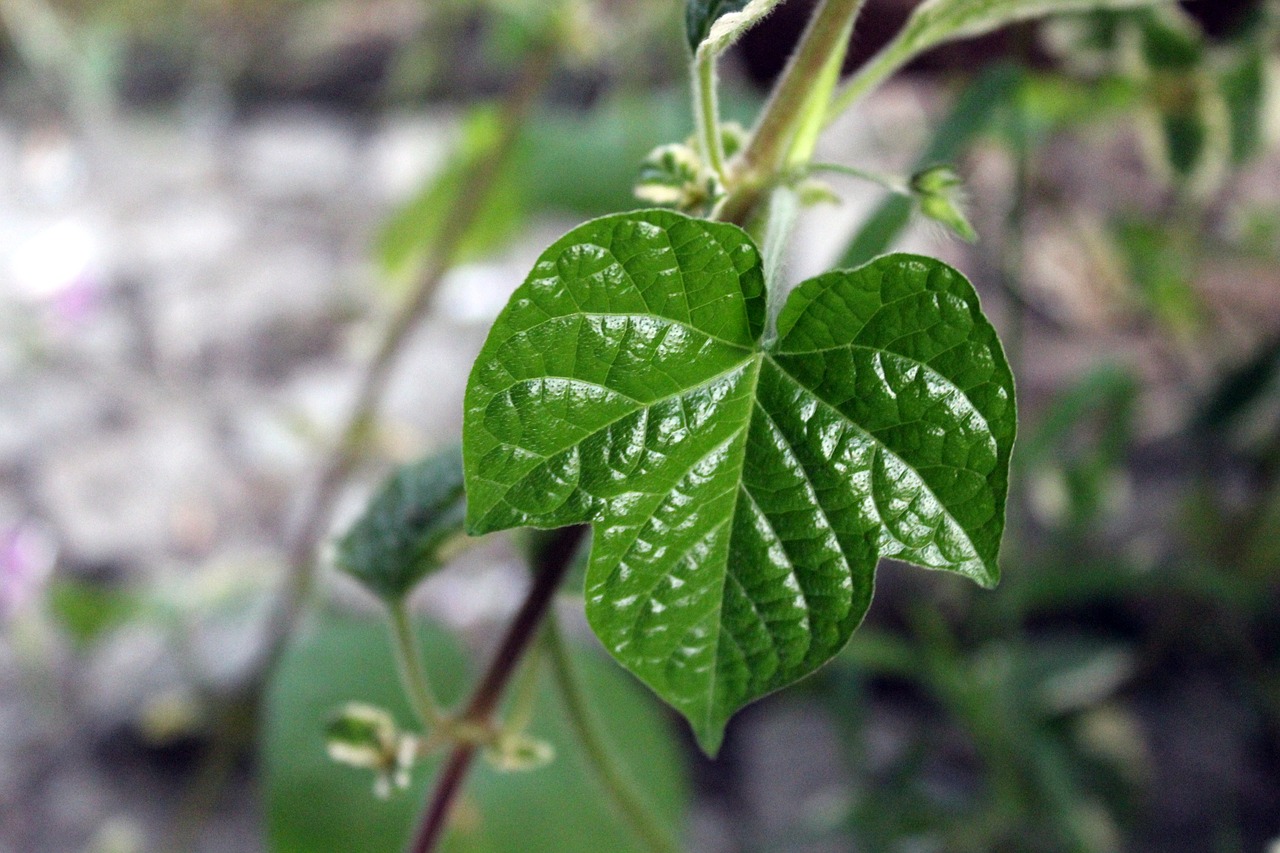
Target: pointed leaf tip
{"x":741,"y":494}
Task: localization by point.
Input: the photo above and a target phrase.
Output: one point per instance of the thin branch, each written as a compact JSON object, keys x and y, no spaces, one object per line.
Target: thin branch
{"x":413,"y":675}
{"x":549,"y":570}
{"x":301,"y":557}
{"x":707,"y":113}
{"x":301,"y":553}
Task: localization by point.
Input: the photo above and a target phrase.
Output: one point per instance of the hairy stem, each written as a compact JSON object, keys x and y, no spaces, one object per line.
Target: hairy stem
{"x":413,"y":674}
{"x":707,"y":111}
{"x":879,"y":68}
{"x":549,"y":569}
{"x":783,"y":114}
{"x":612,"y":777}
{"x":893,"y":183}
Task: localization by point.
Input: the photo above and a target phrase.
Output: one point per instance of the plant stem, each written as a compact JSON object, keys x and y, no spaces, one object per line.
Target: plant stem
{"x":612,"y":777}
{"x":301,"y":558}
{"x":549,"y":569}
{"x":811,"y":120}
{"x":875,"y":71}
{"x":708,"y":112}
{"x":524,"y":700}
{"x":782,"y":116}
{"x":893,"y":183}
{"x":413,"y":674}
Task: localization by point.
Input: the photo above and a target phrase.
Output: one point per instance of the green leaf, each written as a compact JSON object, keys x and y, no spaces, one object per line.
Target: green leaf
{"x":397,"y":542}
{"x":699,"y":15}
{"x":410,"y":235}
{"x":719,"y":23}
{"x":937,"y":21}
{"x":741,"y":492}
{"x":314,"y":804}
{"x":1245,"y":87}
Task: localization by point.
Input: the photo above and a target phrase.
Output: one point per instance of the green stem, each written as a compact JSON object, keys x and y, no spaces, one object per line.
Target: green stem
{"x":638,"y":813}
{"x":813,"y":118}
{"x":413,"y":675}
{"x":524,"y":699}
{"x":892,"y":183}
{"x":708,"y":112}
{"x":550,"y":565}
{"x":784,"y":114}
{"x":879,"y":68}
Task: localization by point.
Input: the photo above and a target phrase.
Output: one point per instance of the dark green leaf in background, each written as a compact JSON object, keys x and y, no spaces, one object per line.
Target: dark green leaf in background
{"x":397,"y":541}
{"x":742,"y":492}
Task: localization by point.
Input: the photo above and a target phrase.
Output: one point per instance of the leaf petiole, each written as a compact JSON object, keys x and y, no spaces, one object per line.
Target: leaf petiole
{"x":707,"y":112}
{"x":892,"y":183}
{"x":413,"y":674}
{"x":609,"y":773}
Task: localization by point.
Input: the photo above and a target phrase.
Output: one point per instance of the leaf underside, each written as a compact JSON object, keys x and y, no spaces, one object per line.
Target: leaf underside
{"x":700,"y":15}
{"x":741,"y":492}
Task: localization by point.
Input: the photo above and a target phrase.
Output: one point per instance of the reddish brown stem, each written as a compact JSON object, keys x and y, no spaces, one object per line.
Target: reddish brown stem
{"x":550,"y":566}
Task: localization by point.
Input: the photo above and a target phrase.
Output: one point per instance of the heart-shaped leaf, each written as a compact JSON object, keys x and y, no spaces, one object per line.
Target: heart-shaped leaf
{"x":741,"y":492}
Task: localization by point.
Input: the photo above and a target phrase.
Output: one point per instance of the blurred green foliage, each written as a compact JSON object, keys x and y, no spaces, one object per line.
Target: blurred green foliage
{"x":314,"y":804}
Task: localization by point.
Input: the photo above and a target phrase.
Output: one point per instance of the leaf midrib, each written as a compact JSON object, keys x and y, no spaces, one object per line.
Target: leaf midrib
{"x":881,"y":447}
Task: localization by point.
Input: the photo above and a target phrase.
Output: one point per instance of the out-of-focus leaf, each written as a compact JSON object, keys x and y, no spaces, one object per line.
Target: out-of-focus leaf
{"x":1160,"y":260}
{"x":88,"y":610}
{"x":1241,"y":388}
{"x":1074,"y":457}
{"x":741,"y":491}
{"x":397,"y":542}
{"x":1171,"y":41}
{"x":313,"y":804}
{"x":408,"y":238}
{"x":1244,"y":86}
{"x":1189,"y":121}
{"x":937,"y":21}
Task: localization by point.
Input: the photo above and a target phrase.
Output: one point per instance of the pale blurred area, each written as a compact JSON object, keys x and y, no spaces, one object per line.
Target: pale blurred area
{"x":191,"y":196}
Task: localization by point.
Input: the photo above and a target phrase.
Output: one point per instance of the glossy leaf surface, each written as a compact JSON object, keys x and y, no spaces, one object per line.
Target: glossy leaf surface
{"x":741,"y":493}
{"x":397,"y":541}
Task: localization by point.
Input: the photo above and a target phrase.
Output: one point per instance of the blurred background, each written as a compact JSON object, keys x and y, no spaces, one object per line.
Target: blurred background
{"x":211,"y":213}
